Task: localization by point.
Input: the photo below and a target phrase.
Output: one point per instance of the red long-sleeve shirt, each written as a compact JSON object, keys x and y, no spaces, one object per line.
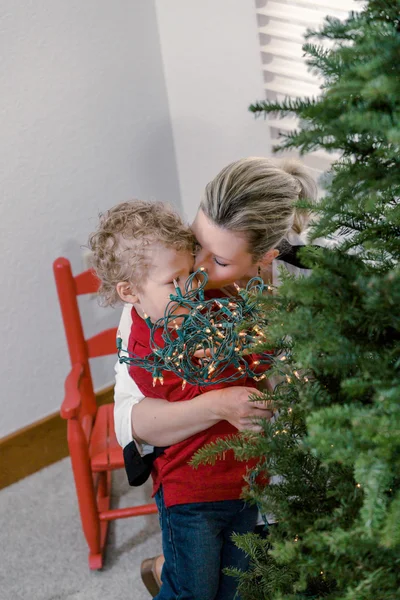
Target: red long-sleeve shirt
{"x":182,"y":483}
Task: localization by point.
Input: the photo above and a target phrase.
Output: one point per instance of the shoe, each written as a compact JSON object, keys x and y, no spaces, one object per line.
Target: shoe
{"x":149,"y":575}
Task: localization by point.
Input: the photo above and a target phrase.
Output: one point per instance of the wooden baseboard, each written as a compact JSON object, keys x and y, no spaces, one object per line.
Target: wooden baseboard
{"x":37,"y":445}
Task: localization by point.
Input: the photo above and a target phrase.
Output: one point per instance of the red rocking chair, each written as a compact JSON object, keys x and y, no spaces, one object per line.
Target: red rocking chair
{"x":93,"y":447}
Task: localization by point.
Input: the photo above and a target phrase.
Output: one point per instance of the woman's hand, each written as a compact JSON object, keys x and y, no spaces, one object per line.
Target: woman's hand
{"x":236,"y":407}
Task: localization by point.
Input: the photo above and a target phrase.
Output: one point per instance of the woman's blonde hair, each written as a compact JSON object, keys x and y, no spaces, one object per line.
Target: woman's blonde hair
{"x":256,"y":196}
{"x":120,"y":245}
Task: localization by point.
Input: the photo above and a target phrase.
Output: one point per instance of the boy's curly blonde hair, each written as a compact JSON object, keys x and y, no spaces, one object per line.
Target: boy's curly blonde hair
{"x":123,"y":237}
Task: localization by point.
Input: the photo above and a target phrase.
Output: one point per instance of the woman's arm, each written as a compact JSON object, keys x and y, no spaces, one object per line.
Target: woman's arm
{"x":163,"y":423}
{"x":126,"y":392}
{"x":126,"y":395}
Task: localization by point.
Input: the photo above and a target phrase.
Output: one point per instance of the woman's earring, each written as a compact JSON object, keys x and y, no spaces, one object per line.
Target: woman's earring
{"x":259,"y":271}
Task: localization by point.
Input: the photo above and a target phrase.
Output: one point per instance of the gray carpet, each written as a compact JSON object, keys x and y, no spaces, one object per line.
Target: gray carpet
{"x":43,"y":554}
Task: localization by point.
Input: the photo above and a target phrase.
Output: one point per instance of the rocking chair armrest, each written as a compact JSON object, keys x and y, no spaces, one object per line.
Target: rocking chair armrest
{"x":72,"y":398}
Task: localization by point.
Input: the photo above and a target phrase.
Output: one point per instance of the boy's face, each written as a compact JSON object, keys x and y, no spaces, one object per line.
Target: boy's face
{"x":153,"y":295}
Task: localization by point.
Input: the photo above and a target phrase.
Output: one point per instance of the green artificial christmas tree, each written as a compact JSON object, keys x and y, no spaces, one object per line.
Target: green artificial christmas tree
{"x":336,"y":442}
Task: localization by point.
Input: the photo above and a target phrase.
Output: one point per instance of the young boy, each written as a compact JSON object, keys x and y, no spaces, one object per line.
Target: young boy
{"x":139,"y":249}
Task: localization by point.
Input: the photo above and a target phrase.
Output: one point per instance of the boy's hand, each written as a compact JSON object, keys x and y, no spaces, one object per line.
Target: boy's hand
{"x":203,"y":353}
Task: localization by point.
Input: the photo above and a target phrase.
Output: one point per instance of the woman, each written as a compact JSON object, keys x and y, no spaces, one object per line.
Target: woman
{"x":246,"y":220}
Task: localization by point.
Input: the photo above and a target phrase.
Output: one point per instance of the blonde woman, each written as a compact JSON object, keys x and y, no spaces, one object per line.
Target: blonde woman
{"x":245,"y":224}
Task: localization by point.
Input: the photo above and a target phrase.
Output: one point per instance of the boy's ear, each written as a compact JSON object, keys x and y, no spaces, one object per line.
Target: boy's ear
{"x":269,"y":257}
{"x":127,"y":293}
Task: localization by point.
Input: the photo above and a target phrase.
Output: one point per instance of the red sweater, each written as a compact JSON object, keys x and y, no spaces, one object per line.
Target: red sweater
{"x":181,"y":482}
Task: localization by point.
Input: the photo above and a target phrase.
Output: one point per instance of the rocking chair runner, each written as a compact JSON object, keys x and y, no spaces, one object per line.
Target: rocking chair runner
{"x":92,"y":444}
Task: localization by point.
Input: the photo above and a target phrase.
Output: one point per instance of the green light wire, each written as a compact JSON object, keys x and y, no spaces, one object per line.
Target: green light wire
{"x":192,"y":323}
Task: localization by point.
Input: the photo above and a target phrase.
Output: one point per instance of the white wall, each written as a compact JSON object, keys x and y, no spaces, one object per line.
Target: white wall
{"x":213,"y":72}
{"x":84,"y":124}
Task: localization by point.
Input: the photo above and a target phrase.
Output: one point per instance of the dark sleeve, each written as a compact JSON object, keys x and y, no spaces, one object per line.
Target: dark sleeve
{"x":290,"y":254}
{"x":138,"y":468}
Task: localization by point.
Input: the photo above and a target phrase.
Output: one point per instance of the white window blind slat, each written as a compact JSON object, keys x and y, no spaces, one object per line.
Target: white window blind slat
{"x":283,"y":86}
{"x":284,"y":12}
{"x":283,"y":30}
{"x":288,"y":124}
{"x":306,"y":12}
{"x":288,"y":69}
{"x":283,"y":48}
{"x":331,"y":5}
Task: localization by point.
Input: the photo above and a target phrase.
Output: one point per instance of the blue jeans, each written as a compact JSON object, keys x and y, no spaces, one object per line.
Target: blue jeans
{"x":197,"y":545}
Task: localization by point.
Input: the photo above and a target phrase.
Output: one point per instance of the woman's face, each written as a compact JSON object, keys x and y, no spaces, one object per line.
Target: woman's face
{"x":224,"y":254}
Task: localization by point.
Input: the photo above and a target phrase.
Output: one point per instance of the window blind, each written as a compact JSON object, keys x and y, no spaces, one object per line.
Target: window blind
{"x":281,"y":27}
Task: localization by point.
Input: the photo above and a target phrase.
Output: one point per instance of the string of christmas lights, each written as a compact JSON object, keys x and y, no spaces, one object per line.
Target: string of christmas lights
{"x":194,"y":324}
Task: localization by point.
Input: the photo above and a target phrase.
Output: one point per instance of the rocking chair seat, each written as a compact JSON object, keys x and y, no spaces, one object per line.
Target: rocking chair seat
{"x":104,"y":451}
